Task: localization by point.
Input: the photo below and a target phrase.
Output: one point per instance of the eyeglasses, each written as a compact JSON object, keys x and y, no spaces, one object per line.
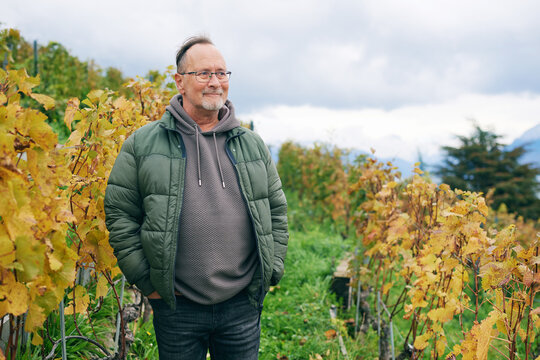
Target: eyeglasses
{"x":205,"y":76}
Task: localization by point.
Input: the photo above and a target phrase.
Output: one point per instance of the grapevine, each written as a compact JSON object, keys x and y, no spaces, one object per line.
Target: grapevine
{"x":433,"y":240}
{"x":51,"y":217}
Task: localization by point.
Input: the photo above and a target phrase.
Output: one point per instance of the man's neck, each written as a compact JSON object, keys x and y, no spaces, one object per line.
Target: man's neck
{"x":206,"y":123}
{"x":205,"y":119}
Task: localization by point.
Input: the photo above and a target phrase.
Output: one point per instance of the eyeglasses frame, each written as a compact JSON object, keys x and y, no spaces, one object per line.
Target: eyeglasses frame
{"x":227,"y":75}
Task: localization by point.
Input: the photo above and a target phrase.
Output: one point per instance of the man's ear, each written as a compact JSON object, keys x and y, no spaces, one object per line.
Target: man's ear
{"x":179,"y":80}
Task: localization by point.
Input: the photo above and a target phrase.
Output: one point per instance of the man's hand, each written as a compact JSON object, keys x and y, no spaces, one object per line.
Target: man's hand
{"x":154,"y":295}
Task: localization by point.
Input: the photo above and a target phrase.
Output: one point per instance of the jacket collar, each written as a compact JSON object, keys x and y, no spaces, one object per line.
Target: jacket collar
{"x":168,"y":122}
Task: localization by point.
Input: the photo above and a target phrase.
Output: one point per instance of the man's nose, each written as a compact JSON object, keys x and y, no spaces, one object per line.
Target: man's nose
{"x":213,"y":80}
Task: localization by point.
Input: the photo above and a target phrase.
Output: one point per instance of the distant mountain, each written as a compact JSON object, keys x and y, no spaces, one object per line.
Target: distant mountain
{"x":531,"y":140}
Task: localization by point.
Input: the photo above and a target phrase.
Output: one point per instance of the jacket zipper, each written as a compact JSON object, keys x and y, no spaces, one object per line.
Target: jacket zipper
{"x":231,"y":157}
{"x":183,"y":149}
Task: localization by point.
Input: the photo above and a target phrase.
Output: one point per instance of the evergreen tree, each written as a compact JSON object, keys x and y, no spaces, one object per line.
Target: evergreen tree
{"x":482,"y":163}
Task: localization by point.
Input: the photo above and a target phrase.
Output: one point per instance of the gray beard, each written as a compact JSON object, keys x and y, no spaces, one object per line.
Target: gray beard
{"x":213,"y":105}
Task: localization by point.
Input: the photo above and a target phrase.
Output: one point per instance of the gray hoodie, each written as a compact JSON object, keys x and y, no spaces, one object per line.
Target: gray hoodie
{"x":216,"y":253}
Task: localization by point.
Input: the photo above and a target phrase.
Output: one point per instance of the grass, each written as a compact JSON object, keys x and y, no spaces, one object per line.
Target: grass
{"x":296,"y":320}
{"x":295,"y":323}
{"x":145,"y":345}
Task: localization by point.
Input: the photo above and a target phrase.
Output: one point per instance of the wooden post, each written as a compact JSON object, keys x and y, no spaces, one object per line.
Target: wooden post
{"x":341,"y":281}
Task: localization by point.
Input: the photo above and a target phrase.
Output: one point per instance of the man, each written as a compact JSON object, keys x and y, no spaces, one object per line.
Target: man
{"x":197,"y":217}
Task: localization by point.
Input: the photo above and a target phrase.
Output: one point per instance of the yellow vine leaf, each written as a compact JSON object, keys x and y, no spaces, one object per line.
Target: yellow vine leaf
{"x":36,"y":127}
{"x":39,"y":163}
{"x":82,"y":299}
{"x":25,"y":82}
{"x":422,"y":341}
{"x":417,"y":298}
{"x":30,"y":255}
{"x":97,"y":246}
{"x":54,"y":263}
{"x":65,"y":216}
{"x":7,"y":248}
{"x":409,"y":310}
{"x":47,"y":101}
{"x":482,"y":207}
{"x":483,"y":334}
{"x":528,"y":275}
{"x":441,"y":314}
{"x":387,"y":287}
{"x":36,"y":316}
{"x":102,"y":287}
{"x":522,"y":334}
{"x":72,"y":108}
{"x":506,"y":237}
{"x":115,"y":271}
{"x":444,"y":187}
{"x":441,"y":345}
{"x":455,"y":351}
{"x":15,"y":295}
{"x":36,"y":340}
{"x":14,"y":194}
{"x":75,"y":137}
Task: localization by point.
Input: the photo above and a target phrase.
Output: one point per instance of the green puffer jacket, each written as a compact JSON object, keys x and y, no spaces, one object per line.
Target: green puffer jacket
{"x":145,"y":191}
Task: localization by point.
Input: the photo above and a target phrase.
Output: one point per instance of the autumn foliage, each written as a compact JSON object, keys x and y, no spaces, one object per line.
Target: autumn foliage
{"x":434,"y":257}
{"x":51,"y":214}
{"x":438,"y":257}
{"x":320,"y":177}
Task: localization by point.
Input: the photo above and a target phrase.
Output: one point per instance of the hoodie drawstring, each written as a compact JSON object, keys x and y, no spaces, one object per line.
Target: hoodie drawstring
{"x":198,"y":155}
{"x":199,"y":158}
{"x":219,"y":162}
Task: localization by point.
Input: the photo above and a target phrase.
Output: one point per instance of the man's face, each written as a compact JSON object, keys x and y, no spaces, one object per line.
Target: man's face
{"x":198,"y":96}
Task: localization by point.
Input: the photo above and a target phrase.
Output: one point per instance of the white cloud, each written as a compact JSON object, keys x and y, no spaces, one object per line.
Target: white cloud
{"x":345,"y":54}
{"x":394,"y":75}
{"x":402,"y":132}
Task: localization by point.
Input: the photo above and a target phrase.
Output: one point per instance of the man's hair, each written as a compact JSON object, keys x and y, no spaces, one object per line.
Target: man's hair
{"x":181,"y":54}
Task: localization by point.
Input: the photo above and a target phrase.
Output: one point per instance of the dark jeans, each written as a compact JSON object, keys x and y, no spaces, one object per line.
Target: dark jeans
{"x":230,"y":330}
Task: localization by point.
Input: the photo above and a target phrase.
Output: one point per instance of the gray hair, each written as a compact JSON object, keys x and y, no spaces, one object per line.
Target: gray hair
{"x":188,"y":43}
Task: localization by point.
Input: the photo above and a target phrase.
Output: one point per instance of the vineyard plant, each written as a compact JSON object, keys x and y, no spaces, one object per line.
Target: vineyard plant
{"x":52,"y":219}
{"x":466,"y":286}
{"x":459,"y":279}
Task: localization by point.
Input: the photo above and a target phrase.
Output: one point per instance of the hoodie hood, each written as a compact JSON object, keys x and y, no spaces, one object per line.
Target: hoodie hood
{"x":188,"y":126}
{"x":208,"y":142}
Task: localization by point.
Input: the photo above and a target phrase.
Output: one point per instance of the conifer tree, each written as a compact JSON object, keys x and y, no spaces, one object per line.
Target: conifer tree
{"x":481,"y":163}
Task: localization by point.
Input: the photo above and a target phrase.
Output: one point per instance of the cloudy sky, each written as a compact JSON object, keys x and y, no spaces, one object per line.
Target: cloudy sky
{"x":401,"y":77}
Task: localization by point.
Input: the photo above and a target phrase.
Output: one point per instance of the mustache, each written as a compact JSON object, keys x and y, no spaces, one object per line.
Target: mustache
{"x":216,"y":92}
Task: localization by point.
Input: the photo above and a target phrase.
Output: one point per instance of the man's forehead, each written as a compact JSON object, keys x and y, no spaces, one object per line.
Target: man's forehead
{"x":204,"y":54}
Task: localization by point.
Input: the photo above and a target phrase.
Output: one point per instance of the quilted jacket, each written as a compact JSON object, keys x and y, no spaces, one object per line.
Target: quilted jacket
{"x":143,"y":201}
